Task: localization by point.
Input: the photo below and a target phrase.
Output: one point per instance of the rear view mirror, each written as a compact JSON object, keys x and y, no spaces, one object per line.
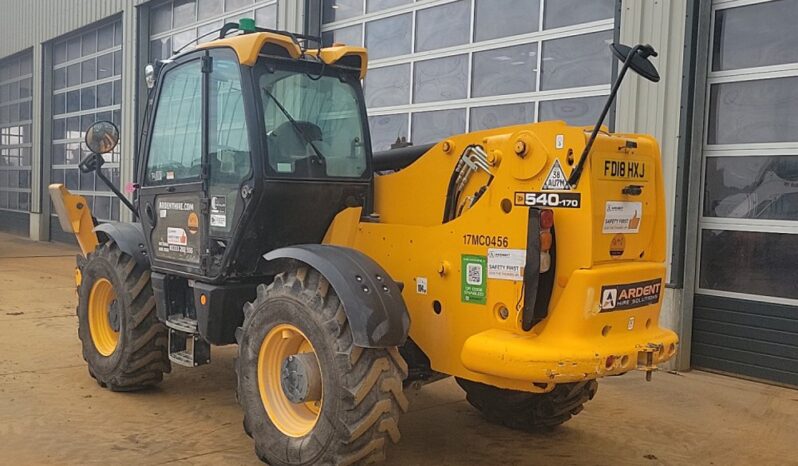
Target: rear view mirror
{"x":102,"y":137}
{"x":639,"y":61}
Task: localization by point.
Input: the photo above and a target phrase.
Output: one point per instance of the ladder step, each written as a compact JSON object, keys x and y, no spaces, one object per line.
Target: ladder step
{"x":188,"y":349}
{"x":182,"y":324}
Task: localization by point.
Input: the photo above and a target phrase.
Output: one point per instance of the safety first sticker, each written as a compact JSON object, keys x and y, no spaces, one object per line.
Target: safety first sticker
{"x":506,"y":264}
{"x":473,"y":287}
{"x":622,"y":217}
{"x":630,"y":295}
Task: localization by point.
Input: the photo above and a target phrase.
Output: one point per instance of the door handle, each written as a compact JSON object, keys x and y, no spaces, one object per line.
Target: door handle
{"x":150,"y":213}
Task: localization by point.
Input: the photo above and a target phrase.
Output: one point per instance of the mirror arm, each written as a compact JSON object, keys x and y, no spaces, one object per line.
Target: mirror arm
{"x":118,"y":193}
{"x":93,"y":163}
{"x":577,"y":173}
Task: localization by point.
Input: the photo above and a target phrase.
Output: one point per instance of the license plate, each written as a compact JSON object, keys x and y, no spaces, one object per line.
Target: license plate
{"x":614,"y":169}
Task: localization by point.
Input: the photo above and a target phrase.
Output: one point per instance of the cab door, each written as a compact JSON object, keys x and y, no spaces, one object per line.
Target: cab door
{"x":172,"y":185}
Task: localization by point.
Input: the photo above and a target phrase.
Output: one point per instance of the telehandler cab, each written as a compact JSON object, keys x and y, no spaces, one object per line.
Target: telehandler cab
{"x":526,"y":261}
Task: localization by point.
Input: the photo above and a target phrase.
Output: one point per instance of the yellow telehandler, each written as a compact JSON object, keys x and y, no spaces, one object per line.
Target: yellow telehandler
{"x":525,"y":261}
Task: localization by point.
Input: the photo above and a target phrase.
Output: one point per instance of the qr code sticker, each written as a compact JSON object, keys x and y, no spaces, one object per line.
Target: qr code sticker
{"x":474,"y":274}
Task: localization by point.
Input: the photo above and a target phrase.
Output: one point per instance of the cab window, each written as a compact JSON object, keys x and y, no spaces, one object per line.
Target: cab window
{"x":228,"y":143}
{"x":176,"y":143}
{"x":314,"y":125}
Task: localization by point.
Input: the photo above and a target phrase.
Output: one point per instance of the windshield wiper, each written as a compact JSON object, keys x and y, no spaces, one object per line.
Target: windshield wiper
{"x":294,"y":124}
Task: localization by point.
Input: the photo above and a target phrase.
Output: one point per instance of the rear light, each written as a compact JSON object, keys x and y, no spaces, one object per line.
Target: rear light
{"x":546,"y":219}
{"x":545,"y":262}
{"x":545,"y":240}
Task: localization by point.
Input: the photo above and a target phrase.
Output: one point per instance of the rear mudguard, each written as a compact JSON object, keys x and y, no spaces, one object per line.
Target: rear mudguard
{"x":372,"y":301}
{"x":129,"y":237}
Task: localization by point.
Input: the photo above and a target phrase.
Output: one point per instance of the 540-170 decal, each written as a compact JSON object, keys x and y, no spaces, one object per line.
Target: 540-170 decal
{"x":548,"y":199}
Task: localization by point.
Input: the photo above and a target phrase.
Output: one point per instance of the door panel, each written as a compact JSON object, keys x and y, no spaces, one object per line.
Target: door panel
{"x":171,"y":198}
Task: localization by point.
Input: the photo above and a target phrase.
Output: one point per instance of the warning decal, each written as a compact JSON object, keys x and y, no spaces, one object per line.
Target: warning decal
{"x":630,"y":295}
{"x":219,"y":211}
{"x":421,"y":285}
{"x":556,"y":180}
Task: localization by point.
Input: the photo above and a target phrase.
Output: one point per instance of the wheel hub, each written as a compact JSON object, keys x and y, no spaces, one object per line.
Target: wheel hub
{"x":288,"y":373}
{"x":104,"y":316}
{"x":300,"y":378}
{"x":113,"y":315}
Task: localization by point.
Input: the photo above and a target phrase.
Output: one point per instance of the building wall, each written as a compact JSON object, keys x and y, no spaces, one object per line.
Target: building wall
{"x":37,"y":26}
{"x":440,"y":67}
{"x":655,"y":108}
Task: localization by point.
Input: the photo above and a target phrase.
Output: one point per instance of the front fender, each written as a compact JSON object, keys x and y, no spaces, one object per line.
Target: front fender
{"x":372,"y":301}
{"x":130,"y":239}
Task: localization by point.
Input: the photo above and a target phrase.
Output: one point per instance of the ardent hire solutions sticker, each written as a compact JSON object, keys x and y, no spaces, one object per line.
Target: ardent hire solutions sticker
{"x":472,"y":285}
{"x":622,"y":217}
{"x":630,"y":295}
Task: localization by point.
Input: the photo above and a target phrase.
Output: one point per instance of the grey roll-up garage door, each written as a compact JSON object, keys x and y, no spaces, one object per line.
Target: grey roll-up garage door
{"x":16,"y":76}
{"x":753,"y":339}
{"x":746,"y":305}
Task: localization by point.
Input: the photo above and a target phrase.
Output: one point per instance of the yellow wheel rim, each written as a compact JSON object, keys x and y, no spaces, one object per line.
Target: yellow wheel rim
{"x":292,"y":419}
{"x":101,"y":297}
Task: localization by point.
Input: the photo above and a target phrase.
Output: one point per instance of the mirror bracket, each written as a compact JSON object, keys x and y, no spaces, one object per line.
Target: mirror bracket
{"x":92,"y":162}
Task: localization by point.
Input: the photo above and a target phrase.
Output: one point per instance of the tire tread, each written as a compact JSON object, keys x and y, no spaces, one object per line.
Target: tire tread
{"x":145,"y":358}
{"x":371,"y":392}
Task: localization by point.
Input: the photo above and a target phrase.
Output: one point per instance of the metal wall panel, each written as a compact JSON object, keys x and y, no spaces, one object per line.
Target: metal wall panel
{"x":35,"y":21}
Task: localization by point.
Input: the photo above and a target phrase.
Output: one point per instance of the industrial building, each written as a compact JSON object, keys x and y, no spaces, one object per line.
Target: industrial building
{"x":725,"y":113}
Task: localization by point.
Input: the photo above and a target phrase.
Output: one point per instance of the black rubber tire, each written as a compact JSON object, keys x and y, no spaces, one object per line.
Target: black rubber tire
{"x":362,"y":387}
{"x":529,"y":411}
{"x":140,"y":358}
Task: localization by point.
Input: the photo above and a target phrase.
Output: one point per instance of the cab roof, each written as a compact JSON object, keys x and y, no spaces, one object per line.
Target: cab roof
{"x":249,"y":46}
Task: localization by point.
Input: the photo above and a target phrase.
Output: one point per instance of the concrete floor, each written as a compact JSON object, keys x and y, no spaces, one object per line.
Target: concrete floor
{"x":51,"y":412}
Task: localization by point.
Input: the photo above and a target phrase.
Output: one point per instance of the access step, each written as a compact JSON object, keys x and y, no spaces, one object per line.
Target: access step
{"x":186,"y":347}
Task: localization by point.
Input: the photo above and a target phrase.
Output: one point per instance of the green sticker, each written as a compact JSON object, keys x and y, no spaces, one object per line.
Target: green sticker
{"x":473,"y":279}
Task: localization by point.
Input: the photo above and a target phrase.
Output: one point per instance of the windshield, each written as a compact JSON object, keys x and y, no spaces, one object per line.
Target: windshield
{"x":313,"y":125}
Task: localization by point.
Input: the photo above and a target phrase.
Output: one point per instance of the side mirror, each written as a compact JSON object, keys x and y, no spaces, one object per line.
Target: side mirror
{"x":639,"y":59}
{"x":102,"y":137}
{"x":149,"y":76}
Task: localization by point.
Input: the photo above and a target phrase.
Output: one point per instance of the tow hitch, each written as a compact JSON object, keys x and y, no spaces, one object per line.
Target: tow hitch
{"x":645,"y":359}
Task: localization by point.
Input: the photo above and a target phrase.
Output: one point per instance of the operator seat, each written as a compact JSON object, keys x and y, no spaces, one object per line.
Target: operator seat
{"x":290,"y":153}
